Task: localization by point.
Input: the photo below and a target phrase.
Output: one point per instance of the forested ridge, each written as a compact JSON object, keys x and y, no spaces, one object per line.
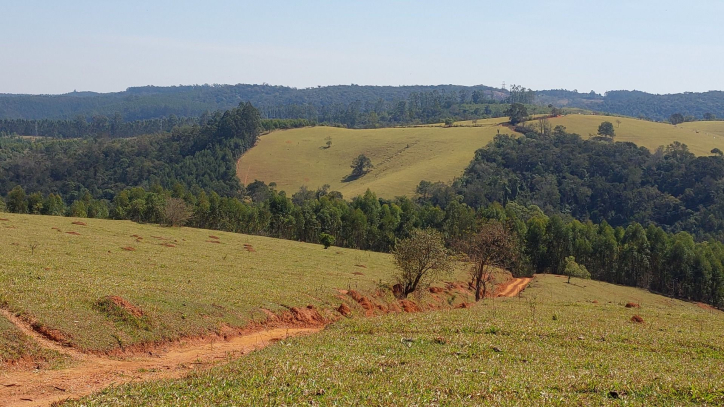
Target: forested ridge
{"x":349,"y":105}
{"x":696,"y":105}
{"x":630,"y":216}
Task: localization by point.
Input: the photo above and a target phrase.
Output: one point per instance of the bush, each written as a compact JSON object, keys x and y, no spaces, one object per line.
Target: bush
{"x":326,"y":239}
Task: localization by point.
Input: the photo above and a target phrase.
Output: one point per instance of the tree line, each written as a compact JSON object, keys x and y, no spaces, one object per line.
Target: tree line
{"x":669,"y":263}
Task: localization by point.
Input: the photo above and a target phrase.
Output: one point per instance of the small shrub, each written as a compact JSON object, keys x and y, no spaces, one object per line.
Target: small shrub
{"x":326,"y":239}
{"x":632,"y":305}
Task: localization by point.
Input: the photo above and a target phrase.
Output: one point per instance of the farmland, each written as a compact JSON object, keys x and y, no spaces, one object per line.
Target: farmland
{"x":700,"y":137}
{"x":402,"y":157}
{"x":558,"y":343}
{"x":183,"y":282}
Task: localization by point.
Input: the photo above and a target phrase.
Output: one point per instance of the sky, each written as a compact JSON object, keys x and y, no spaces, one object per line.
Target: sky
{"x":662,"y":46}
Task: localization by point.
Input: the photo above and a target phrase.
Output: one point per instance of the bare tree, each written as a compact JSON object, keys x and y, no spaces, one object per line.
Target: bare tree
{"x":176,"y":212}
{"x":420,"y":260}
{"x":492,"y":247}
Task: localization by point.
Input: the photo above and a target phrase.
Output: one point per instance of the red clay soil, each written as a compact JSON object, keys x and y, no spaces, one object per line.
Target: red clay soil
{"x":512,"y":287}
{"x":4,"y":220}
{"x":168,"y":244}
{"x":637,"y":319}
{"x":632,"y":305}
{"x":129,"y":248}
{"x":213,"y":241}
{"x":706,"y":306}
{"x":357,"y":273}
{"x":91,"y":373}
{"x":73,"y":233}
{"x":213,"y":237}
{"x":125,"y":304}
{"x":79,"y":223}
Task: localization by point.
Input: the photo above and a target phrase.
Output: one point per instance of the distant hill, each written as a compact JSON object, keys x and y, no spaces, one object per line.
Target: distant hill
{"x":402,"y":157}
{"x":148,"y":102}
{"x":638,"y":104}
{"x":701,"y":136}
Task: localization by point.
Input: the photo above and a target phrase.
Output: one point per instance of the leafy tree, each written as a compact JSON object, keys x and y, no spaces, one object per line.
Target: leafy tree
{"x":449,"y":121}
{"x":3,"y":208}
{"x":326,"y":239}
{"x":606,"y":130}
{"x":717,"y":152}
{"x":360,"y":166}
{"x":676,"y":118}
{"x":420,"y":260}
{"x":493,"y":246}
{"x":709,"y":116}
{"x":517,"y":112}
{"x":574,"y":269}
{"x":16,"y":200}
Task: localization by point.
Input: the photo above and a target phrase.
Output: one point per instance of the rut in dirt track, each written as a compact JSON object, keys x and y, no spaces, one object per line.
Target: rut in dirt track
{"x":514,"y":287}
{"x":91,"y":373}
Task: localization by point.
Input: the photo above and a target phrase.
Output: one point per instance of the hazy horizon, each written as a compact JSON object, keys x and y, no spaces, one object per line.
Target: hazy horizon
{"x":652,"y":46}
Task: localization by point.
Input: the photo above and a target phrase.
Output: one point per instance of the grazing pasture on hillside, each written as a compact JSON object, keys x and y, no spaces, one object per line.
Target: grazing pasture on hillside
{"x":402,"y":157}
{"x":701,"y":137}
{"x":558,"y":343}
{"x":99,"y":284}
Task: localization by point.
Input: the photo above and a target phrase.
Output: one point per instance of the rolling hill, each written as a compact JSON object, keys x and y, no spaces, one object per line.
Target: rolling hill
{"x":402,"y":157}
{"x":701,"y":137}
{"x":557,"y":344}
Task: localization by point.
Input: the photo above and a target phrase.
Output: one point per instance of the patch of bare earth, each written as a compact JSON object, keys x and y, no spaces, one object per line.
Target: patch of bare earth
{"x":160,"y":361}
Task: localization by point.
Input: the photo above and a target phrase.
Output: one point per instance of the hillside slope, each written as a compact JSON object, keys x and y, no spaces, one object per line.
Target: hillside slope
{"x":99,"y":284}
{"x":700,"y":137}
{"x":402,"y":157}
{"x":558,"y":344}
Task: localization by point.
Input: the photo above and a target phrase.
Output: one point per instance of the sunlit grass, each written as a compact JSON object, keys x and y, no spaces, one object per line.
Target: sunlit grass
{"x":402,"y":157}
{"x":559,"y":344}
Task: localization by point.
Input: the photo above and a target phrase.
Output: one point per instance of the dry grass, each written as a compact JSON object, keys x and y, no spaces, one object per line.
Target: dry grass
{"x":402,"y":157}
{"x":701,"y":137}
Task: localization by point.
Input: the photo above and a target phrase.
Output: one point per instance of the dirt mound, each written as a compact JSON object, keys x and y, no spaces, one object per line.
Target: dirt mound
{"x":357,"y":273}
{"x":295,"y":316}
{"x":363,"y":301}
{"x":632,"y":305}
{"x":464,"y":305}
{"x":73,"y":233}
{"x":344,"y":309}
{"x":249,"y":248}
{"x":706,"y":306}
{"x":57,"y":229}
{"x":213,"y":241}
{"x":79,"y":223}
{"x":409,"y":306}
{"x":50,"y":333}
{"x":4,"y":220}
{"x":168,"y":244}
{"x":125,"y":304}
{"x":436,"y":290}
{"x":129,"y":248}
{"x":637,"y":319}
{"x":360,"y":265}
{"x":213,"y":237}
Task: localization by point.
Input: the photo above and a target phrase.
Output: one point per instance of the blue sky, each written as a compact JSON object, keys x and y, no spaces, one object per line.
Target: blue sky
{"x":656,"y":46}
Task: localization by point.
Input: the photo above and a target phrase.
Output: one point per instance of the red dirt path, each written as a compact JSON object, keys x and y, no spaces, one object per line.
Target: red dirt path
{"x":513,"y":287}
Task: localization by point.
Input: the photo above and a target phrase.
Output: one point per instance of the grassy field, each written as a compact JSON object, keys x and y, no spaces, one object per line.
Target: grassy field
{"x":18,"y":348}
{"x":402,"y":157}
{"x":559,"y":344}
{"x":701,"y":137}
{"x":183,"y":281}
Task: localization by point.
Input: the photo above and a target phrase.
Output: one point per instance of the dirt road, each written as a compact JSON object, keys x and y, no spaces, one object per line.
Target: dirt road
{"x":91,"y":373}
{"x":513,"y":287}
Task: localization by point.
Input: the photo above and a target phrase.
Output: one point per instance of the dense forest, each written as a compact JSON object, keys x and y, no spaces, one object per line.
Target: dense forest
{"x":349,"y":105}
{"x":697,"y":106}
{"x":600,"y":180}
{"x":630,"y":216}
